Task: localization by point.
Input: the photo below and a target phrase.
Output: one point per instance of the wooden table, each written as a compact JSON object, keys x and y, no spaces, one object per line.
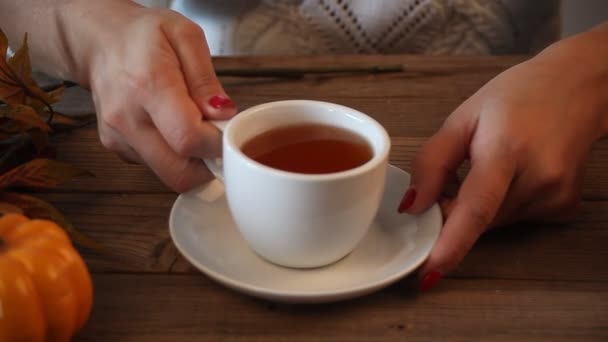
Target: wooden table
{"x":524,"y":283}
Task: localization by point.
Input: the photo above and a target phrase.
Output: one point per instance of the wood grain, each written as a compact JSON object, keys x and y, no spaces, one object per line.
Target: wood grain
{"x":410,"y":105}
{"x":527,"y":282}
{"x":82,"y":148}
{"x":134,"y":229}
{"x":192,"y":308}
{"x":116,"y":176}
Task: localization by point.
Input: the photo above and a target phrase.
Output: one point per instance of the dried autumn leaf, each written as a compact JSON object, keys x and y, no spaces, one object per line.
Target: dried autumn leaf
{"x":26,"y":117}
{"x":61,"y":121}
{"x":37,"y":208}
{"x":55,"y":94}
{"x":20,"y":62}
{"x":40,"y":173}
{"x":17,"y":86}
{"x":8,"y":86}
{"x":3,"y":45}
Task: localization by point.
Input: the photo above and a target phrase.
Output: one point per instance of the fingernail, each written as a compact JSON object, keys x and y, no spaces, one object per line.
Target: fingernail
{"x":408,"y":200}
{"x":219,"y":102}
{"x":429,"y":280}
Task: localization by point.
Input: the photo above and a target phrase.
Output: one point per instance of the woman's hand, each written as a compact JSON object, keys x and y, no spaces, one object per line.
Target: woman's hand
{"x":527,"y":134}
{"x":154,"y":86}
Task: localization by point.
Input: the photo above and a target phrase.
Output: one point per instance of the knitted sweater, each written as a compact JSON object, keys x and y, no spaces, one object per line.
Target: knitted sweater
{"x":438,"y":27}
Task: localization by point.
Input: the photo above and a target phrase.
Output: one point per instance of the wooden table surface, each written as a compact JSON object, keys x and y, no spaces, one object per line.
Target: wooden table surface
{"x":523,"y":283}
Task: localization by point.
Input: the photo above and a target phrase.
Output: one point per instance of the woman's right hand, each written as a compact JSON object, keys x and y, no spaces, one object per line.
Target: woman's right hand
{"x":154,"y":86}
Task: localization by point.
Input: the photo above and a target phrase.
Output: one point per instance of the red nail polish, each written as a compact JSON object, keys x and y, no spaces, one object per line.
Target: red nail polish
{"x":219,"y":102}
{"x":408,"y":200}
{"x":429,"y":280}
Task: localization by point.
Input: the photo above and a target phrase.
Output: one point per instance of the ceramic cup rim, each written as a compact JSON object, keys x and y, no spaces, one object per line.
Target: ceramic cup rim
{"x":379,"y":156}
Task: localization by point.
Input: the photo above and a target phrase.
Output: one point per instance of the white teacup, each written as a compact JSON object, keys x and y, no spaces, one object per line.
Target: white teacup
{"x":293,"y":219}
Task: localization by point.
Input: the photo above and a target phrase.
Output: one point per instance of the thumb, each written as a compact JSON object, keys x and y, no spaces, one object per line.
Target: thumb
{"x":434,"y":164}
{"x":191,"y":48}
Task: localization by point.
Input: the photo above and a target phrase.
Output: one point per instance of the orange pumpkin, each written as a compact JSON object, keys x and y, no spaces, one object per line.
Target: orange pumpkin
{"x":45,"y":288}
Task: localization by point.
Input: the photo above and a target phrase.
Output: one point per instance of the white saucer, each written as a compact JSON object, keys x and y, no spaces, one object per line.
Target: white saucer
{"x":204,"y":232}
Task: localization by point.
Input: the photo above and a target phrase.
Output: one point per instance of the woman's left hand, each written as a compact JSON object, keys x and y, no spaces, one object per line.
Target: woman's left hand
{"x":527,"y":134}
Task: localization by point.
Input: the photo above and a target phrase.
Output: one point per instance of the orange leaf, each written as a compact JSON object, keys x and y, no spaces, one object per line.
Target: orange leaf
{"x":10,"y":91}
{"x":3,"y":45}
{"x":40,"y":173}
{"x":17,"y":86}
{"x":55,"y":94}
{"x":20,"y":63}
{"x":36,"y":208}
{"x":9,"y":87}
{"x":64,"y":121}
{"x":25,"y":115}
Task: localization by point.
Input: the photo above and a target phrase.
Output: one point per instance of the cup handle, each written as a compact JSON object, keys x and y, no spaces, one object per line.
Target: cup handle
{"x":215,"y":165}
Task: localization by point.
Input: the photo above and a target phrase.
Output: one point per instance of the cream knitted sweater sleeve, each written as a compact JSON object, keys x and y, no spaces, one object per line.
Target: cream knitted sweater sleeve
{"x":305,"y":27}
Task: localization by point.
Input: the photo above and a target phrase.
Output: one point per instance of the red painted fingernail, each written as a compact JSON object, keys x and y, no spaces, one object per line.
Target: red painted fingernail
{"x":429,"y":280}
{"x":407,"y":201}
{"x":219,"y":102}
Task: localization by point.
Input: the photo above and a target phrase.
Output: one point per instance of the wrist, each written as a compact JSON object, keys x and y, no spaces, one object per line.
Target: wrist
{"x":583,"y":62}
{"x":85,"y":27}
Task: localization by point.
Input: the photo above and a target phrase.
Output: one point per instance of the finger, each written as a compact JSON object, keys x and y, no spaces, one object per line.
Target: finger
{"x":446,"y":205}
{"x":474,"y":208}
{"x":180,"y":122}
{"x":178,"y":172}
{"x":433,"y":166}
{"x":189,"y":43}
{"x":128,"y":155}
{"x":114,"y":141}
